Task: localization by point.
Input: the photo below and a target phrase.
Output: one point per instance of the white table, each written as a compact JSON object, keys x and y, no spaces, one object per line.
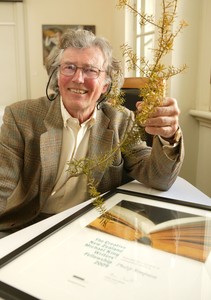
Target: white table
{"x":181,"y":190}
{"x":71,"y":263}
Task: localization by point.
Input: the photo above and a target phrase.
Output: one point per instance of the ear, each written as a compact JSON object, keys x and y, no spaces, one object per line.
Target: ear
{"x":106,"y":88}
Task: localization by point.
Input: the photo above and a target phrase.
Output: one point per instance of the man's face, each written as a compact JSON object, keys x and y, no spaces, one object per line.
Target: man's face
{"x":79,"y":93}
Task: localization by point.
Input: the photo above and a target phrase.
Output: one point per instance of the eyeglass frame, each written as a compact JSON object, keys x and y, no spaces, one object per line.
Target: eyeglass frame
{"x":83,"y":69}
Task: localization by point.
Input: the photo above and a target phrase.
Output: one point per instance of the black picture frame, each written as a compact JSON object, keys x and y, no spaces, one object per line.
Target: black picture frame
{"x":11,"y":0}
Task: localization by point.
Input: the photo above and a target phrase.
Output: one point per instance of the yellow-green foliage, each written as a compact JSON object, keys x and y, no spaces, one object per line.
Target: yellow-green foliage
{"x":156,"y":73}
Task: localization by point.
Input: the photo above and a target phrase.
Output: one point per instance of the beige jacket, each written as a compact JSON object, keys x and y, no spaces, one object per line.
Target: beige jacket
{"x":30,"y":146}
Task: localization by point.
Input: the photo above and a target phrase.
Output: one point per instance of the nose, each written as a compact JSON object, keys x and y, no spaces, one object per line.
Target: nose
{"x":78,"y":76}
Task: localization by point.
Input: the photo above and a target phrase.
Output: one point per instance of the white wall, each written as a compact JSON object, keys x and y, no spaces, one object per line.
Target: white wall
{"x":184,"y":86}
{"x":203,"y":100}
{"x":192,"y":89}
{"x":13,"y":83}
{"x":202,"y":109}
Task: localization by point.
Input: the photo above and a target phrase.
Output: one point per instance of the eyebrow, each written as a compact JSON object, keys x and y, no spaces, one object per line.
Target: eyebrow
{"x":83,"y":65}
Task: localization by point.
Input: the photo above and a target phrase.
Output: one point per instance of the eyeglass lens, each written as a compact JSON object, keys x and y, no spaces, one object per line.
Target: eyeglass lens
{"x":71,"y":69}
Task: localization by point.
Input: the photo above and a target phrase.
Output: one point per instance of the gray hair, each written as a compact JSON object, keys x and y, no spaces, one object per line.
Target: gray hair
{"x":83,"y":39}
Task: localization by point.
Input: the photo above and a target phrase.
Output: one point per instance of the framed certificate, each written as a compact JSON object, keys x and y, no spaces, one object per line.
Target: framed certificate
{"x":142,"y":247}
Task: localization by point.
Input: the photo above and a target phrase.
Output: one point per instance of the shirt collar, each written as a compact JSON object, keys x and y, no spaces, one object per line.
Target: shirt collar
{"x":67,"y":117}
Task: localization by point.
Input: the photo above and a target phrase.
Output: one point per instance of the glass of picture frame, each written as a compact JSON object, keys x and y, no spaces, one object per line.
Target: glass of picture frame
{"x":143,"y":246}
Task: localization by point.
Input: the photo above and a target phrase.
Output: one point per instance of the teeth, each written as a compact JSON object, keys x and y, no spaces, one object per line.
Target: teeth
{"x":77,"y":91}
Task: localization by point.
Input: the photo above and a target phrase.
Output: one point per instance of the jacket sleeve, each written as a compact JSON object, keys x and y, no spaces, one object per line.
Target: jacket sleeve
{"x":11,"y":157}
{"x":157,"y":167}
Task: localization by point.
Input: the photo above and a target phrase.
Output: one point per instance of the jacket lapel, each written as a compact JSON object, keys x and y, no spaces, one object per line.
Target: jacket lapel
{"x":101,"y":141}
{"x":50,"y":148}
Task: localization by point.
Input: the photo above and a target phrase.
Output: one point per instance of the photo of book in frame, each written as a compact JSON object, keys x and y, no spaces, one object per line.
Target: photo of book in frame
{"x":164,"y":229}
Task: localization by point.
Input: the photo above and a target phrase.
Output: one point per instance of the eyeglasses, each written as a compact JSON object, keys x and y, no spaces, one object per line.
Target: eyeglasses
{"x":88,"y":72}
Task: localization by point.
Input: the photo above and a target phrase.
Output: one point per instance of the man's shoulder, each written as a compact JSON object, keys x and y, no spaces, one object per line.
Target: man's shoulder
{"x":117,"y":118}
{"x":30,"y":107}
{"x":30,"y":103}
{"x":32,"y":113}
{"x":31,"y":110}
{"x":119,"y":111}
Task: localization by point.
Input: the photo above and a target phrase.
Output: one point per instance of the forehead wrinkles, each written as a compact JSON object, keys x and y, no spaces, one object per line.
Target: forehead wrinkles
{"x":84,"y":56}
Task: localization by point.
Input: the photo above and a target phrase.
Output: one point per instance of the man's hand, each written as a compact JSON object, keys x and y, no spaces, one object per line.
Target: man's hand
{"x":164,"y":121}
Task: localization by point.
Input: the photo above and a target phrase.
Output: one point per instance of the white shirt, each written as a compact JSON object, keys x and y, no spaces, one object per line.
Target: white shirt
{"x":75,"y":143}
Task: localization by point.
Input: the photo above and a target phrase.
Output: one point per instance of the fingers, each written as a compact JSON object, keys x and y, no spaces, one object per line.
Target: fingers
{"x":164,"y":131}
{"x":169,"y":107}
{"x":164,"y":120}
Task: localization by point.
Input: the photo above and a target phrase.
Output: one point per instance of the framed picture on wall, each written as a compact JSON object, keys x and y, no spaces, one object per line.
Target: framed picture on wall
{"x":51,"y":35}
{"x":11,"y":0}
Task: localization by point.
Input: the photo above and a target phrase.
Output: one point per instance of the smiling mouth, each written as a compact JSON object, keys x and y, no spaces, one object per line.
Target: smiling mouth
{"x":76,"y":91}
